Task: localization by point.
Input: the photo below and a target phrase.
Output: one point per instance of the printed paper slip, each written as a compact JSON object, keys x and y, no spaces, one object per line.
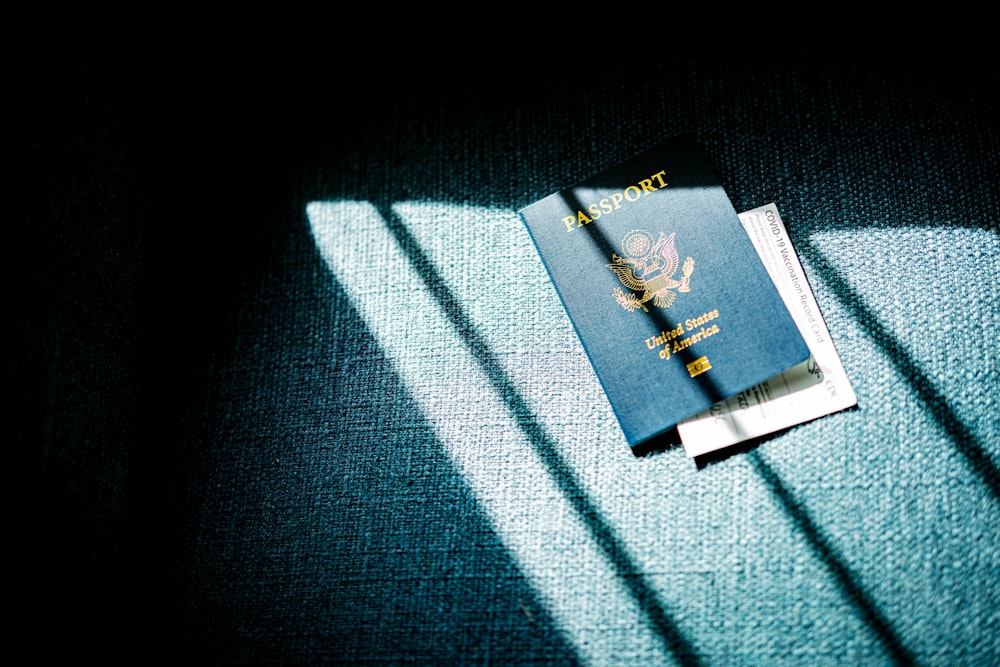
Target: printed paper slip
{"x":813,"y":389}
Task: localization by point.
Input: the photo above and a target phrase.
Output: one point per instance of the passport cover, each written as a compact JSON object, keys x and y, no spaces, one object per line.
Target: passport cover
{"x":667,"y":294}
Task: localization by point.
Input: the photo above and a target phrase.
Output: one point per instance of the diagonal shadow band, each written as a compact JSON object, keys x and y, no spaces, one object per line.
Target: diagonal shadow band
{"x":824,"y":550}
{"x":644,"y":595}
{"x":960,"y":434}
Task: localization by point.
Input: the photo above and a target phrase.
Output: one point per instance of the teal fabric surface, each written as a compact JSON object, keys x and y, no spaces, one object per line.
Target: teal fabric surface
{"x":359,"y":429}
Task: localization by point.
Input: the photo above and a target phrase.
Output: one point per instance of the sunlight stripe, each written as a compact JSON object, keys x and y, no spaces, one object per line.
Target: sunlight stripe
{"x":528,"y":511}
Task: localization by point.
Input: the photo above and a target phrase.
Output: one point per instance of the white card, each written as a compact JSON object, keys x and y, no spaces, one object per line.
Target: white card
{"x":813,"y":389}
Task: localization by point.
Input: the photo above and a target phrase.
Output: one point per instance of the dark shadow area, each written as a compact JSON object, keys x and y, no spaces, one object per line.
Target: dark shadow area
{"x":165,"y":284}
{"x":73,"y":282}
{"x":827,"y":554}
{"x":633,"y":578}
{"x":661,"y":443}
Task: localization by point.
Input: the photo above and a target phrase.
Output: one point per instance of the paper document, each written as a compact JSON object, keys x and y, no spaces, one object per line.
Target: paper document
{"x":810,"y":390}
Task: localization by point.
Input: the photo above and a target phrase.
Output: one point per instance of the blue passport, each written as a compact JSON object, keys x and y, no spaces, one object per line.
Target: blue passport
{"x":673,"y":306}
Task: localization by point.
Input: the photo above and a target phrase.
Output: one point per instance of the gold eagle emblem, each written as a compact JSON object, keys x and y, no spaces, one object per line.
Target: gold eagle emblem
{"x":648,"y":268}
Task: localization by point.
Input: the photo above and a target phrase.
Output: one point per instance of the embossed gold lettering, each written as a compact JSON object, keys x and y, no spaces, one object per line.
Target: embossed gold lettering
{"x":615,"y":200}
{"x":698,"y":321}
{"x":702,"y":334}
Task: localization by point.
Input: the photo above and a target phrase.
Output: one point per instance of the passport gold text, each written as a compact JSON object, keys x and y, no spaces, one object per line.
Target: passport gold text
{"x":615,"y":201}
{"x":675,"y":334}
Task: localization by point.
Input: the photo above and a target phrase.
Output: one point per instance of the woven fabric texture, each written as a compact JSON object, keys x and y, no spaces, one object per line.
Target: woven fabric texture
{"x":312,"y":399}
